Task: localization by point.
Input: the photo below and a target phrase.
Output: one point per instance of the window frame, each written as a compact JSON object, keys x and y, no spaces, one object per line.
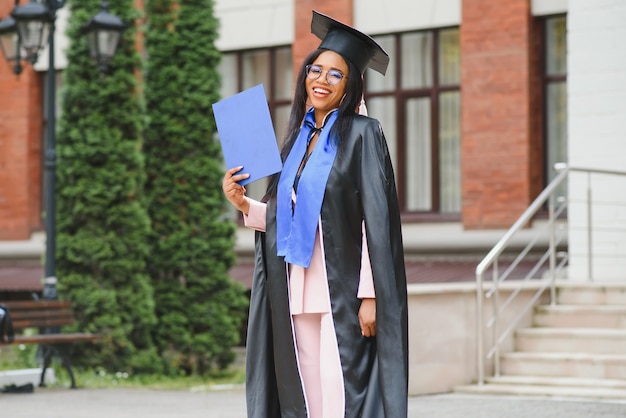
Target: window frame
{"x":546,"y":80}
{"x":401,"y":97}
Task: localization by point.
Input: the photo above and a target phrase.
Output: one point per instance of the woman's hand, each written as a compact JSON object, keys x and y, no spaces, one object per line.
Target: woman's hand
{"x":367,"y":317}
{"x":235,"y":193}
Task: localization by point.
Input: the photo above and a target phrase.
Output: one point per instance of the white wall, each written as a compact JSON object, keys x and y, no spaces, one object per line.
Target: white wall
{"x":378,"y":17}
{"x":61,"y":43}
{"x":597,"y":134}
{"x":244,"y":24}
{"x":258,"y":23}
{"x":548,"y":7}
{"x":248,"y":24}
{"x":439,"y":361}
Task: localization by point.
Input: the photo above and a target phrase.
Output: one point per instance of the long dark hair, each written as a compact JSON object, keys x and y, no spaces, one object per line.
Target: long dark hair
{"x":347,"y":111}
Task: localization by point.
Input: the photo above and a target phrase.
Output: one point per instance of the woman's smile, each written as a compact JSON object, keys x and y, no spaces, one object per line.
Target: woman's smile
{"x":319,"y":91}
{"x":323,"y":95}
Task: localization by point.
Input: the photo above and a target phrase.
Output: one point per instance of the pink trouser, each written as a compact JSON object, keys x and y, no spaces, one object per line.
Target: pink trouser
{"x":320,"y":365}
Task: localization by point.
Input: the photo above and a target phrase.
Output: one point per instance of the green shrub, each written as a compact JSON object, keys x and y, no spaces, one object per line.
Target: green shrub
{"x":103,"y":227}
{"x":198,"y":306}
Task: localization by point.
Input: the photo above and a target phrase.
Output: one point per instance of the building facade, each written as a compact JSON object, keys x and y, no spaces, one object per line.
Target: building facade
{"x":480,"y":100}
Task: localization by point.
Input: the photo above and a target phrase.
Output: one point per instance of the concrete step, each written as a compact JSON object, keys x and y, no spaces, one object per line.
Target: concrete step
{"x":586,"y":392}
{"x":571,"y":340}
{"x":576,"y":348}
{"x":592,"y":294}
{"x":564,"y":364}
{"x":559,"y":381}
{"x":577,"y":316}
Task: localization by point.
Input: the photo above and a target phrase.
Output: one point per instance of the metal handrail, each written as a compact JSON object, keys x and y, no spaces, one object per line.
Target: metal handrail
{"x":491,"y":260}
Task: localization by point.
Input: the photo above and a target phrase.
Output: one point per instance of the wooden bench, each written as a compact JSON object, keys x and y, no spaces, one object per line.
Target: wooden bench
{"x":48,"y":316}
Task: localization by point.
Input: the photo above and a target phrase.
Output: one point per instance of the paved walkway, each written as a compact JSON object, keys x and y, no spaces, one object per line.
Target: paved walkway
{"x":230,"y":403}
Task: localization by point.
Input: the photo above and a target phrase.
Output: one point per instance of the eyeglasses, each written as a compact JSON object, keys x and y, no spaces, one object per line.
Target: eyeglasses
{"x":333,"y":77}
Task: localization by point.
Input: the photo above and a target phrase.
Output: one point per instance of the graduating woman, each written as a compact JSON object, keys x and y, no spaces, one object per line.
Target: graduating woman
{"x":327,"y":331}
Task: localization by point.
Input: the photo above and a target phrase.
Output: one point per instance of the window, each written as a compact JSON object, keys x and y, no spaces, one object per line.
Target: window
{"x":418,"y":103}
{"x":555,"y":94}
{"x":272,"y":67}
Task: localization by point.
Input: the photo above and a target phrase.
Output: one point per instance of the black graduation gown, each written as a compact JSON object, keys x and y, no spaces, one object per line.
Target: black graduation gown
{"x":360,"y":187}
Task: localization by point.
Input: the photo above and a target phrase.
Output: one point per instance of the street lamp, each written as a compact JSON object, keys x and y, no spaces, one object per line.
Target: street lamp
{"x":103,"y":34}
{"x":22,"y":36}
{"x":10,"y":43}
{"x":34,"y":23}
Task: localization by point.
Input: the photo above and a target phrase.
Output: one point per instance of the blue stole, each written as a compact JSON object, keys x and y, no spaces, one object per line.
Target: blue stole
{"x":296,"y":226}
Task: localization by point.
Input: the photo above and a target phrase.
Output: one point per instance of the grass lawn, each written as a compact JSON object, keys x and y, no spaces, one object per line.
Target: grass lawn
{"x":17,"y":357}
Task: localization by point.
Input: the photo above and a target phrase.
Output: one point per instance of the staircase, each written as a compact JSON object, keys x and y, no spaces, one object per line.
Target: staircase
{"x":575,"y":348}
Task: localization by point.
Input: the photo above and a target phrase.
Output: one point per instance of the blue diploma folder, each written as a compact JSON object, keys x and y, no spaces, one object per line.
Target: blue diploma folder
{"x":247,"y":135}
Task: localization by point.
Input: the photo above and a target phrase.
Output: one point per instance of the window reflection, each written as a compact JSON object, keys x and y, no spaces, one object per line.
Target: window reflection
{"x":450,"y":152}
{"x":384,"y":109}
{"x":256,"y":70}
{"x":418,"y":155}
{"x":417,"y":66}
{"x":283,"y":74}
{"x":556,"y":96}
{"x":449,"y":57}
{"x":556,"y":46}
{"x":228,"y":71}
{"x":377,"y":82}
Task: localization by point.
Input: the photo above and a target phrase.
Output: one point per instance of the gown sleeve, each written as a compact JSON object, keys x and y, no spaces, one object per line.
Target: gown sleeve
{"x":255,"y":219}
{"x":366,"y":281}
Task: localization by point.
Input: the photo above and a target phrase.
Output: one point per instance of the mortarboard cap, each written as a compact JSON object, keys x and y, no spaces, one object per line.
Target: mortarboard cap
{"x":358,"y":48}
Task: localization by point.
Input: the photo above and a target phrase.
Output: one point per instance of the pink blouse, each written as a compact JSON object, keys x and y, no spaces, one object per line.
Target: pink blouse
{"x":308,"y":287}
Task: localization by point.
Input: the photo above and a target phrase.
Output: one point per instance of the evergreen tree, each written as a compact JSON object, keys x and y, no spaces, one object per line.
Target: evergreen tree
{"x":102,"y":226}
{"x":198,"y":306}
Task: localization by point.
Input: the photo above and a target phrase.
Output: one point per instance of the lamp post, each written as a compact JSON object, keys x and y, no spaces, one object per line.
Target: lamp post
{"x":22,"y":36}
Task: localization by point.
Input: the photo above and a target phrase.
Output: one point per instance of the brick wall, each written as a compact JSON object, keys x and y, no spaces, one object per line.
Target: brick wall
{"x":35,"y":125}
{"x":20,"y":151}
{"x":537,"y":153}
{"x":497,"y":139}
{"x":20,"y":148}
{"x":304,"y":41}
